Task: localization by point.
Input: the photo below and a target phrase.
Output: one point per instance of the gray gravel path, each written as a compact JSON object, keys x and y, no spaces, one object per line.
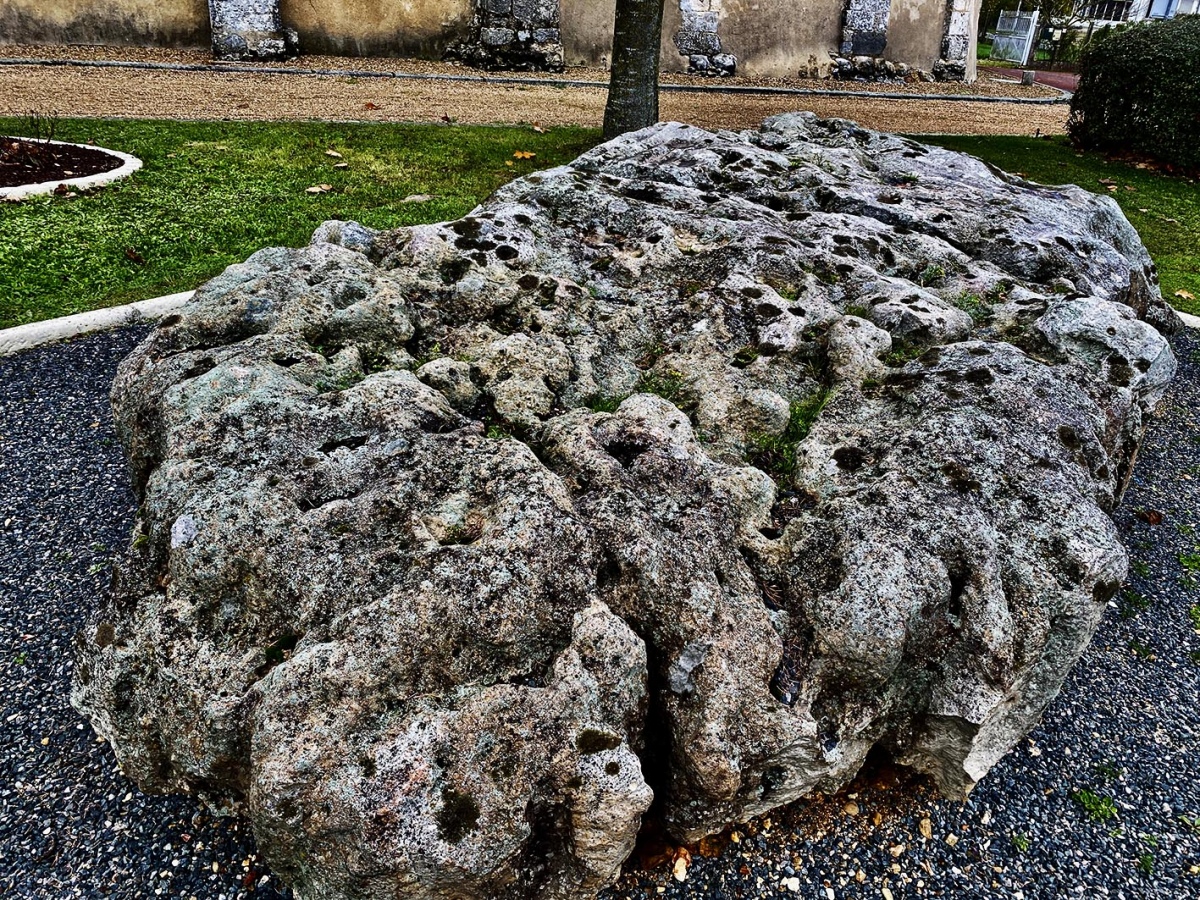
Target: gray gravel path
{"x":1103,"y":800}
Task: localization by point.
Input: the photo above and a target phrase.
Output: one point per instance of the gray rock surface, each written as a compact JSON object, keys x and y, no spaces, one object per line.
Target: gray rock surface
{"x":707,"y":463}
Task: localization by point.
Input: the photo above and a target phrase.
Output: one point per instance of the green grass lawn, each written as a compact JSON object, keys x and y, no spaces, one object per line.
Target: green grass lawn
{"x":213,"y":193}
{"x":1165,"y":210}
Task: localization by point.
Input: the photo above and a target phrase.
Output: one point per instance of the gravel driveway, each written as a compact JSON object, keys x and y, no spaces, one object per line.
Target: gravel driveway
{"x":1101,"y":801}
{"x":252,"y":96}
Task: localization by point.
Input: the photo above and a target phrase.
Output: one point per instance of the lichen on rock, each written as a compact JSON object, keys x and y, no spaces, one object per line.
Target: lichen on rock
{"x":704,"y":464}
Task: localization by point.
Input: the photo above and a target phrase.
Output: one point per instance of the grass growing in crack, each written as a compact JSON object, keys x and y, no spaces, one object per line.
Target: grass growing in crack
{"x":776,"y":454}
{"x":1140,"y":568}
{"x":1145,"y":863}
{"x":1194,"y":615}
{"x":668,"y":385}
{"x":1098,"y":807}
{"x":212,"y":193}
{"x":903,"y":353}
{"x":978,"y":308}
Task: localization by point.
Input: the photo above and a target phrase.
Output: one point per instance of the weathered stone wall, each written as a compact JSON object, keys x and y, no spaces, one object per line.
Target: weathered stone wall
{"x":250,"y":30}
{"x":421,"y":28}
{"x":513,"y":34}
{"x":773,"y":38}
{"x":158,"y":23}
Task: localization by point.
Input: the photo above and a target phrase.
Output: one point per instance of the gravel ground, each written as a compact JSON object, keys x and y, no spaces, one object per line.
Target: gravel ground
{"x":989,"y":84}
{"x":247,"y":96}
{"x":1124,"y":729}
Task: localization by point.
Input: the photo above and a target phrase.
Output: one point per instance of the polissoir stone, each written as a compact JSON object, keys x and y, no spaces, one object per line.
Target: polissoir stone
{"x":706,"y":464}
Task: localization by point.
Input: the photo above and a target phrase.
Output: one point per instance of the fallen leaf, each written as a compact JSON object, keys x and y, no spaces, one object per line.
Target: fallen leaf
{"x":341,"y":165}
{"x":370,"y":105}
{"x":524,"y":154}
{"x":449,"y":120}
{"x":538,"y":128}
{"x":1185,"y":295}
{"x":682,"y":860}
{"x":1150,"y":516}
{"x":319,"y":189}
{"x":952,"y":839}
{"x":333,"y":153}
{"x":133,"y":255}
{"x":1106,"y":181}
{"x":417,"y":198}
{"x":926,"y":829}
{"x":508,"y":162}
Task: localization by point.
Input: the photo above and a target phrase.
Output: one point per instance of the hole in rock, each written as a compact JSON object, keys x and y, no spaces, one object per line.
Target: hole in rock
{"x":350,"y":443}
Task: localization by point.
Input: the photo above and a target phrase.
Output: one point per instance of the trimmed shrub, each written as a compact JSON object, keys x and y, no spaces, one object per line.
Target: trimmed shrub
{"x":1139,"y":91}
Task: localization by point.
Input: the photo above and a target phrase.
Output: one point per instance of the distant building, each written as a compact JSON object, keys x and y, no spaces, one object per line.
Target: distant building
{"x":1117,"y":12}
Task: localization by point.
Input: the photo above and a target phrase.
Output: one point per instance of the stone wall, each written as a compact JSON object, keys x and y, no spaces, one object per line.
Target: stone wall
{"x":149,"y":23}
{"x":513,"y":34}
{"x":766,"y":38}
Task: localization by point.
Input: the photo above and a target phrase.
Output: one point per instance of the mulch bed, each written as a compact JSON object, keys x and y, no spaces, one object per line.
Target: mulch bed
{"x":32,"y":162}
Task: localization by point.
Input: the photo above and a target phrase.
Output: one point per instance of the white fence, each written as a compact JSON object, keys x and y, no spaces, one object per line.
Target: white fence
{"x":1015,"y":36}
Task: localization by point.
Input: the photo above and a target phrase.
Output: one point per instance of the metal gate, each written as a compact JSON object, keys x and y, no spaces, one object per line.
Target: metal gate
{"x":1015,"y":36}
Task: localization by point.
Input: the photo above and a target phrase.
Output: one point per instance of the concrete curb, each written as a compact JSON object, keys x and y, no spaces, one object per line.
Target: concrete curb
{"x":37,"y":334}
{"x":130,"y":164}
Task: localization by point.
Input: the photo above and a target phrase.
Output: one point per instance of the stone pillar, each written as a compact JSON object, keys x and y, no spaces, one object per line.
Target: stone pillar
{"x":864,"y":38}
{"x":250,"y":30}
{"x":864,"y":27}
{"x":513,"y":34}
{"x":697,"y":38}
{"x":958,"y":42}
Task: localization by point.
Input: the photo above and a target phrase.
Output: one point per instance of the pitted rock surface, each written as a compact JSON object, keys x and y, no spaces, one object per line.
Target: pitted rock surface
{"x":701,"y":466}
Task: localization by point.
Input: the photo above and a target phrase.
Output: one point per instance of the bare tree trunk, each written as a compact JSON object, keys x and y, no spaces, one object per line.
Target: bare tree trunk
{"x":633,"y":84}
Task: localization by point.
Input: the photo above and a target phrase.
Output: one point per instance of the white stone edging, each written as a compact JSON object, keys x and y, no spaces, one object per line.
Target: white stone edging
{"x":35,"y":334}
{"x":130,"y":164}
{"x":1188,"y":319}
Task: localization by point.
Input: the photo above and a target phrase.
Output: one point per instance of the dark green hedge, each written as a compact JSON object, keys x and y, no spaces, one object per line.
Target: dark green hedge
{"x":1139,"y":91}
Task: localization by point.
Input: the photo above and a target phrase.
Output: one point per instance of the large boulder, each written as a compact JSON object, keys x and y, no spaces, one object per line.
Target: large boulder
{"x":705,"y":464}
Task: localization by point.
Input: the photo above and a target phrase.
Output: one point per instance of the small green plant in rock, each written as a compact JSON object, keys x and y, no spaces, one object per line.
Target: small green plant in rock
{"x":20,"y":658}
{"x":1141,"y":568}
{"x":1098,"y":807}
{"x":776,"y":454}
{"x":1108,"y":771}
{"x":1194,"y":615}
{"x":1021,"y":842}
{"x":931,"y":275}
{"x":668,"y":385}
{"x":974,"y":306}
{"x":604,"y":404}
{"x":902,"y":353}
{"x":1190,"y":562}
{"x":1145,"y":863}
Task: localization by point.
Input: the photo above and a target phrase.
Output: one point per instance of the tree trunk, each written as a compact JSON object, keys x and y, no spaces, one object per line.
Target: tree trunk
{"x":633,"y":84}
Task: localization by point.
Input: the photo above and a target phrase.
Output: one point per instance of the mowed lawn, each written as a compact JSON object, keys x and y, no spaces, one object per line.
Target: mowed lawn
{"x":213,"y":193}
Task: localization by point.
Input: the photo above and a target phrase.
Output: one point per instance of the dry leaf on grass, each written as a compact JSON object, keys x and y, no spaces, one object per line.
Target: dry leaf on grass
{"x":333,"y":153}
{"x":1185,"y":295}
{"x":524,"y":154}
{"x":319,"y":189}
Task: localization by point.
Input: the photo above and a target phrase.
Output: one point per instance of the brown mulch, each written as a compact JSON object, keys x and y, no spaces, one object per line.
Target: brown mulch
{"x":35,"y":162}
